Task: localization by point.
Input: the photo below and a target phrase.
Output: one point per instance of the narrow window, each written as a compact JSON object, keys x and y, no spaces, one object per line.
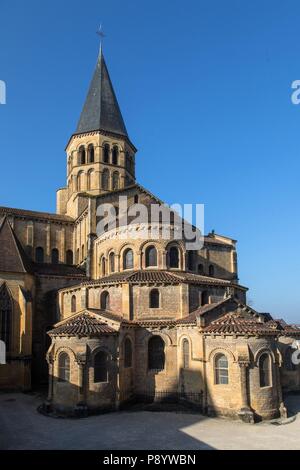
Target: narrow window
{"x":81,"y":155}
{"x":264,"y":370}
{"x":115,"y":181}
{"x":105,"y":179}
{"x":221,"y":369}
{"x":103,"y":266}
{"x":112,"y":262}
{"x":191,"y":260}
{"x":204,"y":298}
{"x":39,"y":254}
{"x":156,"y":353}
{"x":154,"y":298}
{"x":73,"y":304}
{"x":200,"y":269}
{"x":91,"y":154}
{"x":64,"y":367}
{"x":5,"y":316}
{"x":128,"y":259}
{"x":106,"y":150}
{"x":151,"y":256}
{"x":90,"y":180}
{"x":104,"y":301}
{"x":55,"y":256}
{"x":136,"y":199}
{"x":69,"y":257}
{"x":174,"y":257}
{"x":101,"y":367}
{"x":115,"y":155}
{"x":211,"y":270}
{"x":185,"y":354}
{"x":127,"y":353}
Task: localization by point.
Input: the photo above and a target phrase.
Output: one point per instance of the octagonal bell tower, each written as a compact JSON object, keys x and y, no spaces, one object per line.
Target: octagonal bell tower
{"x":100,"y":155}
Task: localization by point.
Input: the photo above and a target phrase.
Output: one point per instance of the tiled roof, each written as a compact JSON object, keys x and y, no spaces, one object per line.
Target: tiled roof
{"x":82,"y":325}
{"x":58,"y":270}
{"x":191,"y":318}
{"x":164,"y":277}
{"x":236,"y":323}
{"x":35,"y":214}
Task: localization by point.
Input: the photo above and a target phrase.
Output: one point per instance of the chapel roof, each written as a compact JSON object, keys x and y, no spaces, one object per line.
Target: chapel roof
{"x":82,"y":324}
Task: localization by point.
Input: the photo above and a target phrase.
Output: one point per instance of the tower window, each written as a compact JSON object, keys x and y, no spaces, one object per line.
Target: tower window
{"x":154,"y":298}
{"x":104,"y":300}
{"x":55,"y":256}
{"x":128,"y":259}
{"x":112,"y":262}
{"x":221,"y":369}
{"x":64,"y":367}
{"x":115,"y":181}
{"x":5,"y":316}
{"x":174,"y":257}
{"x":156,"y":353}
{"x":136,"y":199}
{"x":105,"y":179}
{"x":101,"y":367}
{"x":264,"y":370}
{"x":103,"y":266}
{"x":39,"y":254}
{"x":81,"y":155}
{"x":91,"y":154}
{"x":106,"y":150}
{"x":151,"y":256}
{"x":115,"y":155}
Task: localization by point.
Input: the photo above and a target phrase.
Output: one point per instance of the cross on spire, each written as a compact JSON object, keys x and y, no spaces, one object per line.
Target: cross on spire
{"x":101,"y":34}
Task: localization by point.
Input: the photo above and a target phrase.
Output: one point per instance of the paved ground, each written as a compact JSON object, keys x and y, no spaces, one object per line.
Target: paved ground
{"x":22,"y":427}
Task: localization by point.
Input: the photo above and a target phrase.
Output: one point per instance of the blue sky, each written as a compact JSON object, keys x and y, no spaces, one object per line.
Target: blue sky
{"x":205,"y":91}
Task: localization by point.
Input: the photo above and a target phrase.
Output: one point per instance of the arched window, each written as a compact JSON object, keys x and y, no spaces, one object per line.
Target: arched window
{"x":5,"y":316}
{"x":221,"y":369}
{"x":156,"y":353}
{"x":211,"y":270}
{"x":69,"y":257}
{"x":39,"y":254}
{"x":55,"y":256}
{"x":115,"y":155}
{"x":264,"y":370}
{"x":127,"y":353}
{"x":154,"y":298}
{"x":112,"y":262}
{"x":103,"y":266}
{"x":136,"y":199}
{"x":128,"y":259}
{"x":81,"y":155}
{"x":288,"y":362}
{"x":80,"y":181}
{"x":104,"y":300}
{"x":63,"y":367}
{"x":106,"y":151}
{"x":101,"y":367}
{"x":151,"y":256}
{"x":73,"y":304}
{"x":200,"y":269}
{"x":204,"y":298}
{"x":90,"y":180}
{"x":115,"y":181}
{"x":91,"y":154}
{"x":105,"y":179}
{"x":174,"y":257}
{"x":191,"y":260}
{"x":185,"y":354}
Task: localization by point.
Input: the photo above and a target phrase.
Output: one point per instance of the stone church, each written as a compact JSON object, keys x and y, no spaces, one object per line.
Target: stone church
{"x":105,"y":318}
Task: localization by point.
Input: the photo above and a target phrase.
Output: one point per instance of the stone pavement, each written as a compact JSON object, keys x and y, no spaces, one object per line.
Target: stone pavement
{"x":22,"y":427}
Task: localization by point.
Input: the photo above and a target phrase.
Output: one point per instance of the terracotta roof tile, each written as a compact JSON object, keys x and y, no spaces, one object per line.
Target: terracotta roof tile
{"x":82,"y":325}
{"x":35,"y":214}
{"x":235,"y":323}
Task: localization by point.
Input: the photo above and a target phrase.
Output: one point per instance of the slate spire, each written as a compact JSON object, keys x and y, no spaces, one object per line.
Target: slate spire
{"x":101,"y":109}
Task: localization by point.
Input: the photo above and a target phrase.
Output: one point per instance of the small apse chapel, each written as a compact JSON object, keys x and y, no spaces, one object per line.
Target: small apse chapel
{"x":104,"y":319}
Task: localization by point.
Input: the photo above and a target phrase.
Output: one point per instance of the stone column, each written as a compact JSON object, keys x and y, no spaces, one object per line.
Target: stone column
{"x":81,"y":407}
{"x":51,"y":373}
{"x":245,"y":412}
{"x":164,"y":259}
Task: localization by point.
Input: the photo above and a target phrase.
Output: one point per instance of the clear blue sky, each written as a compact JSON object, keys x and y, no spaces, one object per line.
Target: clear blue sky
{"x":204,"y":88}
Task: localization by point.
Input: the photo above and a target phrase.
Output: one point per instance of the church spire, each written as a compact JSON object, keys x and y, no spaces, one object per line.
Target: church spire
{"x":101,"y":110}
